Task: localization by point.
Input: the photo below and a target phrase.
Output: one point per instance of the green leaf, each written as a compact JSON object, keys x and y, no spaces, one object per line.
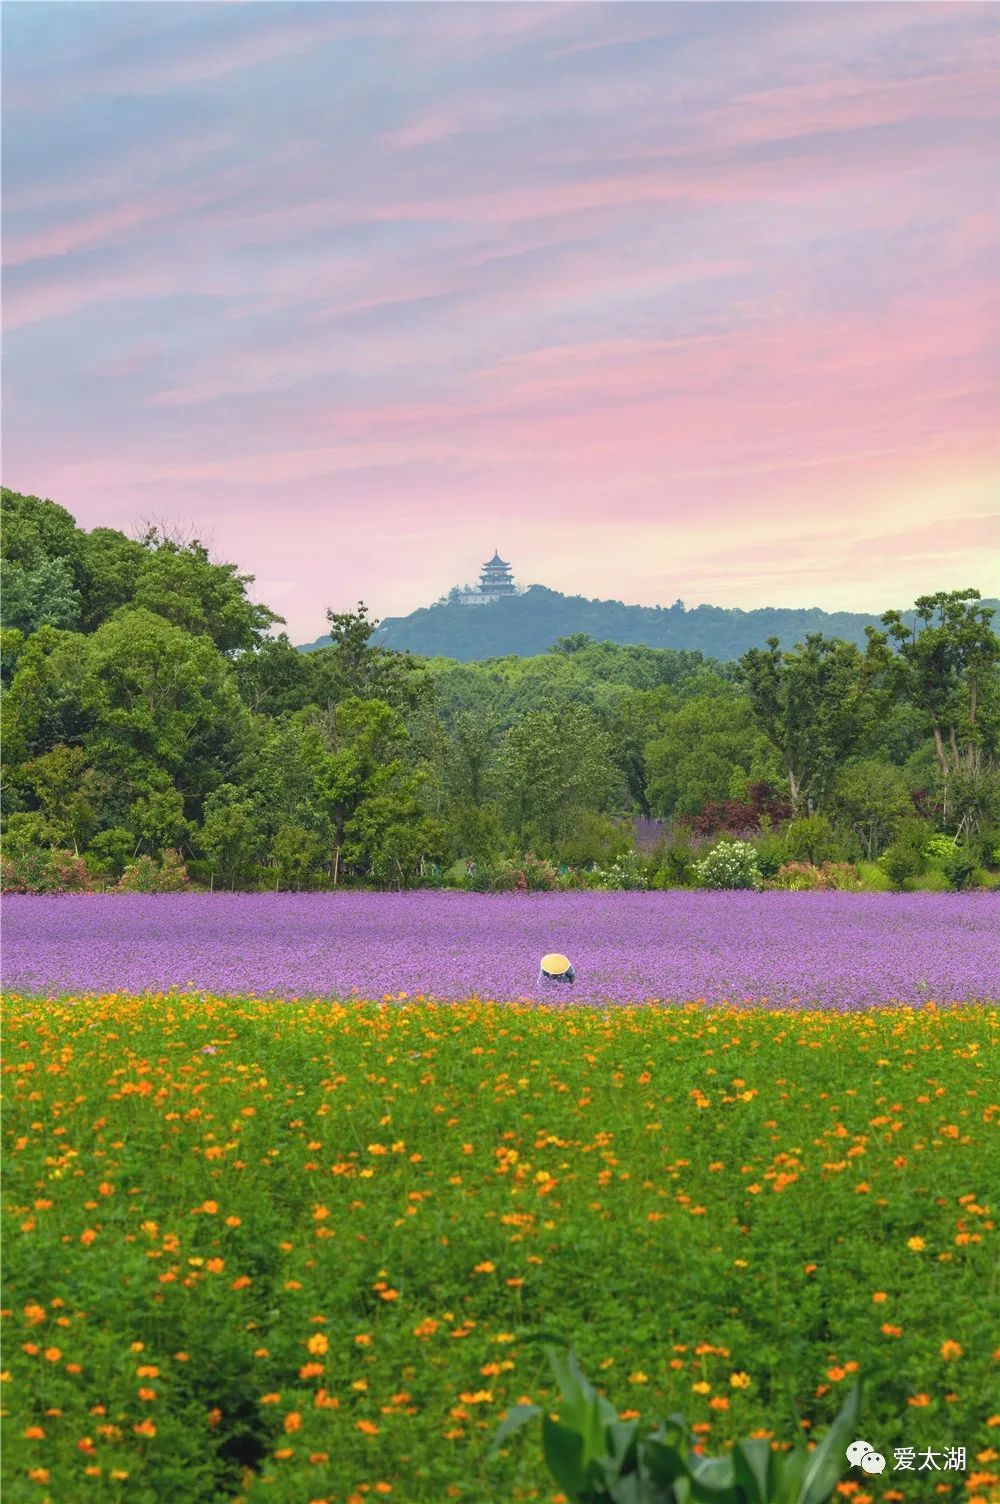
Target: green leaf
{"x":516,"y":1419}
{"x":828,"y":1463}
{"x":563,"y":1451}
{"x":662,"y":1461}
{"x":752,"y":1469}
{"x":713,"y":1479}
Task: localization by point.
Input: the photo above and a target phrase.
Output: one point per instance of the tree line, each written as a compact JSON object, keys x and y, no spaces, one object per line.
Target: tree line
{"x":153,"y":719}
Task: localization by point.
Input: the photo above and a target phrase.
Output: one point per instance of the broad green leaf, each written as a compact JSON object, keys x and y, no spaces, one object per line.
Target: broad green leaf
{"x":661,"y":1460}
{"x":713,"y":1480}
{"x":563,"y":1451}
{"x":752,"y":1469}
{"x":828,"y":1463}
{"x":517,"y":1418}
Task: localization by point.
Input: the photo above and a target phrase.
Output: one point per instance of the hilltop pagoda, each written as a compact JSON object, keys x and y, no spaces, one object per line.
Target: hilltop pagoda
{"x":495,"y":582}
{"x":496,"y":578}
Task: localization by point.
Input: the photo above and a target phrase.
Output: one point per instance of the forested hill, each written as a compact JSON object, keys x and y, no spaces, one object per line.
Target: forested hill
{"x":531,"y":623}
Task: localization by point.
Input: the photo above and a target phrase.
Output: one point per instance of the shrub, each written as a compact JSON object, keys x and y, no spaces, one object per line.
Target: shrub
{"x":627,"y":874}
{"x":676,"y":869}
{"x":772,"y":853}
{"x":939,"y":848}
{"x":959,"y":866}
{"x":41,"y":870}
{"x":596,"y":1458}
{"x":733,"y":816}
{"x":798,"y":876}
{"x":528,"y":874}
{"x":810,"y":839}
{"x":802,"y":875}
{"x":111,"y":850}
{"x":169,"y":875}
{"x":932,"y":880}
{"x":904,"y":859}
{"x":591,"y":837}
{"x":731,"y":864}
{"x":539,"y":875}
{"x":873,"y":877}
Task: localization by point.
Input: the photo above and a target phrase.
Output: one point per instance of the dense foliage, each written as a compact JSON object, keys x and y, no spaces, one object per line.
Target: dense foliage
{"x":157,"y":732}
{"x":299,"y":1262}
{"x":533,"y":621}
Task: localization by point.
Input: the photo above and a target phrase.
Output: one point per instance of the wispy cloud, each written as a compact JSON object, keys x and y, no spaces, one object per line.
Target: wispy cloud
{"x":705,"y":293}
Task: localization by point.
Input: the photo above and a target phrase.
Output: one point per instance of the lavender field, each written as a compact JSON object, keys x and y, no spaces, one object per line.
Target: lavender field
{"x":831,"y":950}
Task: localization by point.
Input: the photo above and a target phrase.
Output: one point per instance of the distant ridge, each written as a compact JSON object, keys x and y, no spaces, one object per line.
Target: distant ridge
{"x":524,"y":625}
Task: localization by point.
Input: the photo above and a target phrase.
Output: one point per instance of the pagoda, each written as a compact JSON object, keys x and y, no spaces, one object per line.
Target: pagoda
{"x":496,"y":578}
{"x":495,"y":582}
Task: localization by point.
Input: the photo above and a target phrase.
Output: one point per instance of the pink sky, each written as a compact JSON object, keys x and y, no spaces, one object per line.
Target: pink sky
{"x":660,"y":300}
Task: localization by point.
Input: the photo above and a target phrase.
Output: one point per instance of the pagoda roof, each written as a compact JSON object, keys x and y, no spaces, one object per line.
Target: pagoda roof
{"x":496,"y":559}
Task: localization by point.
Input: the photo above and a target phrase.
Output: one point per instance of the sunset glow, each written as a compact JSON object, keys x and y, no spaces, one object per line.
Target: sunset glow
{"x":660,"y":300}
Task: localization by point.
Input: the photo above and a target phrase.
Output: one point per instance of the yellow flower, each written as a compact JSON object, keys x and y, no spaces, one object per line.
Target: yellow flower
{"x":740,"y":1380}
{"x":916,"y":1245}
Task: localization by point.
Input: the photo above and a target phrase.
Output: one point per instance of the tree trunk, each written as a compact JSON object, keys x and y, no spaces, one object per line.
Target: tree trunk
{"x":939,"y":746}
{"x":336,"y":864}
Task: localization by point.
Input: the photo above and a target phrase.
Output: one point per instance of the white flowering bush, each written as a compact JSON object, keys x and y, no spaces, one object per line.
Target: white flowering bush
{"x":731,"y":864}
{"x":627,"y":873}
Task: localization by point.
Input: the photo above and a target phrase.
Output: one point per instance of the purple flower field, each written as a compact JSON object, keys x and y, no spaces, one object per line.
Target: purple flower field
{"x":834,"y":950}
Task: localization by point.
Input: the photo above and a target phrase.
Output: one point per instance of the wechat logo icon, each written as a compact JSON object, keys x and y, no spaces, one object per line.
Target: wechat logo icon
{"x":863,"y":1454}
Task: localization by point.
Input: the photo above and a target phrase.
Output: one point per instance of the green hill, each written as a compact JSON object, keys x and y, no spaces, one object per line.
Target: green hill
{"x":530,"y":623}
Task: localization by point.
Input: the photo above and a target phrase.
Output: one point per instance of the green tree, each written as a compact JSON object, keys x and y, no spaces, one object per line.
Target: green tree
{"x":168,"y":698}
{"x":363,"y":781}
{"x":946,"y":665}
{"x":701,"y":745}
{"x":232,"y":834}
{"x":69,"y":793}
{"x":112,"y":564}
{"x":814,"y":705}
{"x":179,"y":582}
{"x":552,"y":766}
{"x":873,"y":797}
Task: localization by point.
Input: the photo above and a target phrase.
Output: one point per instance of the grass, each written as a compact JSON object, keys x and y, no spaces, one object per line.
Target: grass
{"x":291,"y":1252}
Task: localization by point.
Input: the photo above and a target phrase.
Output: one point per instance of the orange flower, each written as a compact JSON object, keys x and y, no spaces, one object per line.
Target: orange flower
{"x":34,"y":1313}
{"x":144,"y":1428}
{"x":34,"y":1433}
{"x":87,"y":1236}
{"x":368,"y":1427}
{"x":318,"y":1343}
{"x":919,"y":1401}
{"x":292,"y":1421}
{"x":53,"y":1354}
{"x":950,"y":1350}
{"x":879,"y":1297}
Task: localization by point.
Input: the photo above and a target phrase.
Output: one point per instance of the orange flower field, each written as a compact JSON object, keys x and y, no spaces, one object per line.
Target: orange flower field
{"x":297,"y":1252}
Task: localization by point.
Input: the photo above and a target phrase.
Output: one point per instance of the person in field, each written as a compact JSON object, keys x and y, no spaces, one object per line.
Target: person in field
{"x":556,"y":968}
